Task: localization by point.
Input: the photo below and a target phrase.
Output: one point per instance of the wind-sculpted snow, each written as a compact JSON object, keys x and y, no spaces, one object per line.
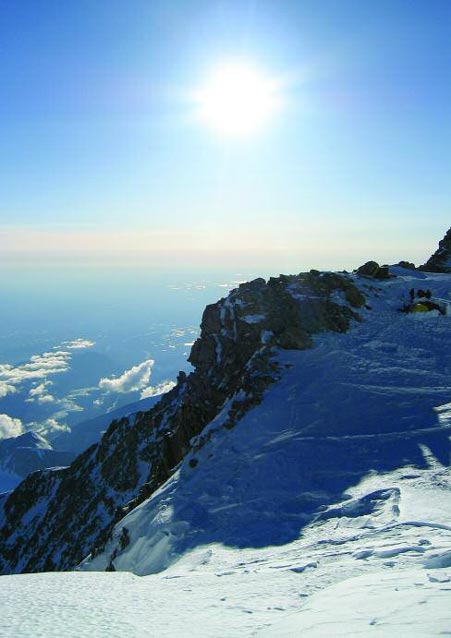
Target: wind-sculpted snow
{"x":319,"y":585}
{"x":54,"y":519}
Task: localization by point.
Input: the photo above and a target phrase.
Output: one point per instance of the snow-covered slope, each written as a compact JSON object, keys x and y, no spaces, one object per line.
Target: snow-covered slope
{"x":364,"y":571}
{"x":313,"y":497}
{"x":370,"y":401}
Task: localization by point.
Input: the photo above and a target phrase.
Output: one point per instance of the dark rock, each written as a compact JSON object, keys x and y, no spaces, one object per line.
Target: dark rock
{"x":440,"y":261}
{"x":373,"y":270}
{"x":408,"y":265}
{"x":124,"y":540}
{"x":294,"y":338}
{"x":254,"y":285}
{"x":369,"y":269}
{"x":384,"y":272}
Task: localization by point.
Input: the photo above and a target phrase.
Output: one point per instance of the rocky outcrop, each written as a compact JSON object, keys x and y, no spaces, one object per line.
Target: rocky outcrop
{"x":407,"y":265}
{"x":55,"y":518}
{"x":440,"y":261}
{"x":373,"y":270}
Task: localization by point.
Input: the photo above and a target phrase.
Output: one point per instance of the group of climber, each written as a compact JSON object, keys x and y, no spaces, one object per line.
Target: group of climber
{"x":421,"y":294}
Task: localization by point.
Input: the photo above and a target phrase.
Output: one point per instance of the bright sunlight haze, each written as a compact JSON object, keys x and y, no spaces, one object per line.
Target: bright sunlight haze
{"x":237,"y":100}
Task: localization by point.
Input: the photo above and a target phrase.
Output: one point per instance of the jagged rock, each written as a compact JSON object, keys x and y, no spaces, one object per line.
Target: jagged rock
{"x":369,"y":269}
{"x":79,"y":505}
{"x":373,"y":270}
{"x":440,"y":261}
{"x":328,"y":282}
{"x":408,"y":265}
{"x":255,"y":285}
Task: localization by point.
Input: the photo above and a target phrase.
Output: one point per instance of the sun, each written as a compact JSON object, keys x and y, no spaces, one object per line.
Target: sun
{"x":237,"y":100}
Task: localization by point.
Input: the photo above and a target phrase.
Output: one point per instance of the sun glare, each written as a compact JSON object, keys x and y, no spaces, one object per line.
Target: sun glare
{"x":237,"y":100}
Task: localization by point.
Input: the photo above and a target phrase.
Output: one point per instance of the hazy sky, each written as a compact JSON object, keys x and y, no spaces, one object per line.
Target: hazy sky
{"x":103,"y":156}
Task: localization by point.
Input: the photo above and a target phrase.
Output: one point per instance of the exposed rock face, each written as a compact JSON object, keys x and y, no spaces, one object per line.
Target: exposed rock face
{"x":440,"y":261}
{"x":57,"y":517}
{"x":373,"y":270}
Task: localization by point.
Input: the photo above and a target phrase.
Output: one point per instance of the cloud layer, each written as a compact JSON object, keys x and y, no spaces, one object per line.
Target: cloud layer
{"x":10,"y":427}
{"x":32,"y":378}
{"x":137,"y":378}
{"x":48,"y":413}
{"x":155,"y":390}
{"x":40,"y":394}
{"x":39,"y":366}
{"x":6,"y":388}
{"x":78,"y":344}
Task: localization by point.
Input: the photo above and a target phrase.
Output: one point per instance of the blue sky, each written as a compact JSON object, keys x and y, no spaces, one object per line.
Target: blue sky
{"x":102,"y":158}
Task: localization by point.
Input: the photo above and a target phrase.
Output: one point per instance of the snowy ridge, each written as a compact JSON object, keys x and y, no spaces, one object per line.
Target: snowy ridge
{"x":319,"y":505}
{"x":136,"y":455}
{"x":301,"y":447}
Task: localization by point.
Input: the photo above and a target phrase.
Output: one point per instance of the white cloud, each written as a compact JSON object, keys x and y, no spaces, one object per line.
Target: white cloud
{"x":48,"y":427}
{"x":78,"y":344}
{"x":39,"y":393}
{"x":6,"y":388}
{"x":10,"y":427}
{"x":131,"y":380}
{"x":52,"y":425}
{"x":66,"y":405}
{"x":155,"y":390}
{"x":40,"y":367}
{"x":83,"y":392}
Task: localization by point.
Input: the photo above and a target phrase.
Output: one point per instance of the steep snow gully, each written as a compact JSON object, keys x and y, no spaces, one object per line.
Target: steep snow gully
{"x":323,"y":510}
